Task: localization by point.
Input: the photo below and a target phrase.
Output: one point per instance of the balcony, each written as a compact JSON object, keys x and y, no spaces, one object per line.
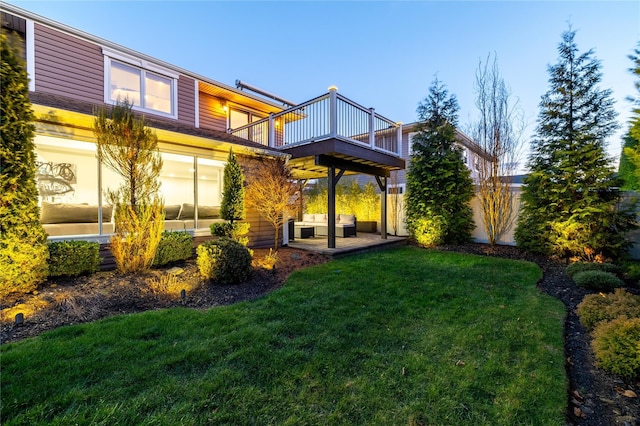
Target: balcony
{"x":330,"y":130}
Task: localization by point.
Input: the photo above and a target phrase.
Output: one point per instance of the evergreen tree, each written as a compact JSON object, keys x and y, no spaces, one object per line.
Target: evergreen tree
{"x":23,"y":250}
{"x":629,"y":170}
{"x":439,"y":186}
{"x":569,"y":207}
{"x":233,"y":206}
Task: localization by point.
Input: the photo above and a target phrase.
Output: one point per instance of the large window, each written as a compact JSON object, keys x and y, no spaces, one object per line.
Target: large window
{"x":70,"y":183}
{"x":147,"y":87}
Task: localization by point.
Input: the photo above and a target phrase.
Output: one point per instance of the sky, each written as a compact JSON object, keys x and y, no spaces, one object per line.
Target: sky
{"x":380,"y":54}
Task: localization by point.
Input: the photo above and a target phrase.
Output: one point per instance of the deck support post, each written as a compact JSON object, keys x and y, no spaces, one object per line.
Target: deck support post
{"x":332,"y":180}
{"x":382,"y":183}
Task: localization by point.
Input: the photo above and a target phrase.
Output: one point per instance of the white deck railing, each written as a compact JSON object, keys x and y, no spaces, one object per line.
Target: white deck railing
{"x":330,"y":116}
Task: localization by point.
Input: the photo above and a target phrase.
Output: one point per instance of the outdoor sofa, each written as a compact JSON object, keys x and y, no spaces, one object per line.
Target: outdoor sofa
{"x":345,"y":224}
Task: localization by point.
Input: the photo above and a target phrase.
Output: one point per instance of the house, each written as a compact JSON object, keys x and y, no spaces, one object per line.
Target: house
{"x":197,"y":121}
{"x":471,"y":154}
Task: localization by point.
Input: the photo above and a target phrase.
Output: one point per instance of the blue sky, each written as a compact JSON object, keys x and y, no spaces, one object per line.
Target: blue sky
{"x":380,"y":54}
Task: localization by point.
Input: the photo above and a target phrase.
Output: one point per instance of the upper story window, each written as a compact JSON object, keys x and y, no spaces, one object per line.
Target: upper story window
{"x":146,"y":86}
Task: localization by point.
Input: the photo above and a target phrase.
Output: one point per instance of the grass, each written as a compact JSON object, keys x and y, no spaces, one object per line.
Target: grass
{"x":406,"y":336}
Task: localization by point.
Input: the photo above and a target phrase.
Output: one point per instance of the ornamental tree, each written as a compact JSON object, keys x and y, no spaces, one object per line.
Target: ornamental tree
{"x":271,"y":191}
{"x":23,"y":249}
{"x":439,"y":186}
{"x":127,"y":146}
{"x":498,"y":132}
{"x":569,"y":204}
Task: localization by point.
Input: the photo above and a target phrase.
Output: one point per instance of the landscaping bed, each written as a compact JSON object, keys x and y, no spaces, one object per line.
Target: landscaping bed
{"x":594,"y":397}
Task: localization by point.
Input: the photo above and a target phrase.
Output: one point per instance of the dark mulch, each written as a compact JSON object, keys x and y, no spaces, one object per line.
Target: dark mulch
{"x":593,"y":397}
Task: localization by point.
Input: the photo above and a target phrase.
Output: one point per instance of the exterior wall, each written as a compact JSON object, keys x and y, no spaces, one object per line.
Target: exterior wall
{"x":186,"y":101}
{"x":212,"y":116}
{"x":68,"y":66}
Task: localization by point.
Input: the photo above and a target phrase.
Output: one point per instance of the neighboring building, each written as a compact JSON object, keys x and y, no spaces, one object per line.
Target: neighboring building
{"x":72,"y":72}
{"x":471,"y":153}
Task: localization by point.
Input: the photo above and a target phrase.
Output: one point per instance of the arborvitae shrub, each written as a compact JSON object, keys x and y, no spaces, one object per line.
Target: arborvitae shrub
{"x":576,"y":267}
{"x":616,"y":345}
{"x":606,"y":307}
{"x":23,"y":248}
{"x":597,"y":280}
{"x":234,"y":230}
{"x":71,"y":258}
{"x":173,"y":246}
{"x":224,"y":260}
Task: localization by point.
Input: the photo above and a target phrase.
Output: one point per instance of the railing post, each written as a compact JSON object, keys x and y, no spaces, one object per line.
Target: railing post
{"x":272,"y":132}
{"x":333,"y":111}
{"x":372,"y":128}
{"x":399,"y":148}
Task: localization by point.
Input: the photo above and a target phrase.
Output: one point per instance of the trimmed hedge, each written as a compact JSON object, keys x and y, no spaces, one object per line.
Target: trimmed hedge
{"x":616,"y":345}
{"x":577,"y":267}
{"x":71,"y":258}
{"x":224,"y":260}
{"x":173,"y":246}
{"x":596,"y":308}
{"x":597,"y":280}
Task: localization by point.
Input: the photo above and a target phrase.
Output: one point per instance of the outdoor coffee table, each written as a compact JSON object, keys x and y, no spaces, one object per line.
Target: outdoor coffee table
{"x":303,"y":232}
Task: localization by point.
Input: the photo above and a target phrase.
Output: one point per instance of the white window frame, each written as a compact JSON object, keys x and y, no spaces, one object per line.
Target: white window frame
{"x":402,"y":186}
{"x":410,"y":143}
{"x":144,"y":67}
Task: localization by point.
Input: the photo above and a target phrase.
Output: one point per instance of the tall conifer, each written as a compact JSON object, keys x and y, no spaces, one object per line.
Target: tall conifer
{"x":23,"y":250}
{"x":232,"y":207}
{"x":439,"y":186}
{"x":569,"y":204}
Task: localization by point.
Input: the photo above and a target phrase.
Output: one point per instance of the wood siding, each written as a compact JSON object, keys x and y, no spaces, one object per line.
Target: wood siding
{"x":68,"y":66}
{"x":186,"y":100}
{"x":212,"y":116}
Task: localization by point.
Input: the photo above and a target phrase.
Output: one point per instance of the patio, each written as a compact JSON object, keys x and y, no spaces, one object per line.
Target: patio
{"x":362,"y":243}
{"x":331,"y":136}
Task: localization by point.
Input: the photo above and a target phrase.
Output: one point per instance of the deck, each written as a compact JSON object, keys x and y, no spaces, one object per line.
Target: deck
{"x":362,"y":243}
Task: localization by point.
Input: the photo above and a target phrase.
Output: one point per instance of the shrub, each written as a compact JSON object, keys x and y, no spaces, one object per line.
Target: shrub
{"x":224,"y":260}
{"x":597,"y":280}
{"x":429,"y":231}
{"x":173,"y":246}
{"x":576,"y":267}
{"x":71,"y":258}
{"x":606,"y":307}
{"x":236,"y":231}
{"x":616,"y":345}
{"x":632,"y":270}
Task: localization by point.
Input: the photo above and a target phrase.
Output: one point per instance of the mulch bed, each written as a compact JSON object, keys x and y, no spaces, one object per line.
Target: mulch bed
{"x":594,"y":397}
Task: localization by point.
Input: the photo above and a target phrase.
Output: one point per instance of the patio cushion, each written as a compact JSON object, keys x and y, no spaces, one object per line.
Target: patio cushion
{"x":320,"y":218}
{"x":346,"y":219}
{"x":307,"y":217}
{"x":172,"y":212}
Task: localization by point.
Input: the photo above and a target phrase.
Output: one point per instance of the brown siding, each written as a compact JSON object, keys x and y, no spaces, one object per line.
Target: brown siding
{"x":212,"y":116}
{"x":68,"y":66}
{"x":186,"y":100}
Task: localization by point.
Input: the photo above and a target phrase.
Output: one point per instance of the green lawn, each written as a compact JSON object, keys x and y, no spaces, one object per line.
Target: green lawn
{"x":405,"y":336}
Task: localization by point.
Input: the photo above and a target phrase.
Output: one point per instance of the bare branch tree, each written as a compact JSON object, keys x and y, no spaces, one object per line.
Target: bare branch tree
{"x":271,"y":191}
{"x":498,"y":131}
